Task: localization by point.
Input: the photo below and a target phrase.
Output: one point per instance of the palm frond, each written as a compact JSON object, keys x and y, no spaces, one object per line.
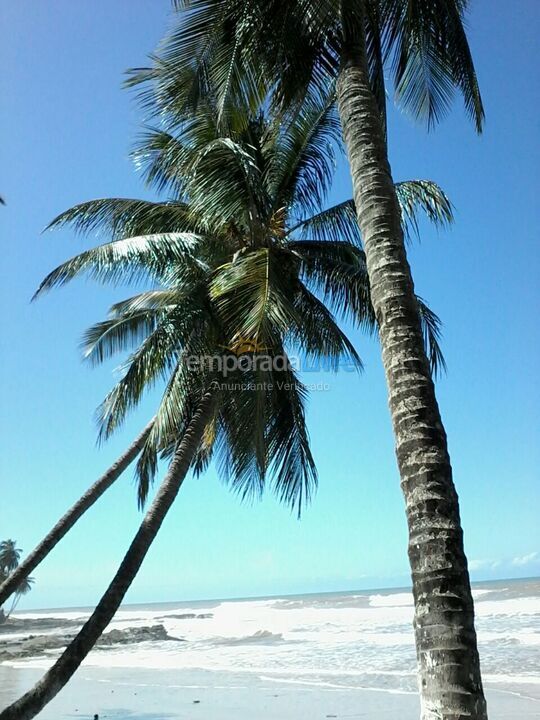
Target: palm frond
{"x":336,"y":222}
{"x":171,"y":420}
{"x":130,"y":260}
{"x":225,"y":176}
{"x":337,"y":272}
{"x":167,"y":159}
{"x":253,"y":297}
{"x":117,"y":334}
{"x":431,"y":58}
{"x":422,"y":195}
{"x":431,"y":329}
{"x":292,"y":464}
{"x":123,"y":217}
{"x":319,"y":336}
{"x":152,"y":300}
{"x":154,"y":358}
{"x":303,"y":158}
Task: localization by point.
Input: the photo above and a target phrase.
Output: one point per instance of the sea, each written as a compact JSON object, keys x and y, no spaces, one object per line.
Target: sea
{"x":342,"y":641}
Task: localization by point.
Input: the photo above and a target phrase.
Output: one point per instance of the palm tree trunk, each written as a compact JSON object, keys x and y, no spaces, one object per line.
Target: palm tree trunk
{"x":448,"y":662}
{"x":94,"y":492}
{"x":14,"y":604}
{"x":54,"y":680}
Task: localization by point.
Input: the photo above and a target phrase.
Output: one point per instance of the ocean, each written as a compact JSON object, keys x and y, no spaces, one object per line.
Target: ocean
{"x":338,"y":643}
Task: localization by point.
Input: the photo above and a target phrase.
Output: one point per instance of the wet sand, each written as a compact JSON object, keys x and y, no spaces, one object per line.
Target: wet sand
{"x":139,"y":694}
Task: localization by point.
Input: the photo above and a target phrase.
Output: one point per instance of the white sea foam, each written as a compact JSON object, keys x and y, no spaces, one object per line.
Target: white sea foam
{"x":357,"y":640}
{"x":392,"y":600}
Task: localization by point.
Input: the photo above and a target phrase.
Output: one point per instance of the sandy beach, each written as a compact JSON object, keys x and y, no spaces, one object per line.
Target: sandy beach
{"x":333,"y":655}
{"x":187,"y":695}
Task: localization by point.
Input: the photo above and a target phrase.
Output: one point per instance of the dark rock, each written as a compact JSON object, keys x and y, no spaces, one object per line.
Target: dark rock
{"x":34,"y":645}
{"x":135,"y":635}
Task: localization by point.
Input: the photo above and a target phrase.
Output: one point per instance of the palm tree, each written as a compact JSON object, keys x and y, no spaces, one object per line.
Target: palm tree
{"x":9,"y":560}
{"x":244,"y":252}
{"x":52,"y":682}
{"x":240,"y":50}
{"x":18,"y":574}
{"x":9,"y":555}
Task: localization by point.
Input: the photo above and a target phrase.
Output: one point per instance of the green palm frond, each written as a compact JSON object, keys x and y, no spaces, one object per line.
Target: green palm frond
{"x":164,"y":300}
{"x":303,"y":161}
{"x":117,"y":334}
{"x":167,"y":159}
{"x":240,"y":448}
{"x":337,"y":272}
{"x":319,"y":335}
{"x":431,"y":58}
{"x":123,"y":217}
{"x":130,"y":260}
{"x":413,"y":196}
{"x":338,"y":221}
{"x":225,"y":175}
{"x":427,"y":196}
{"x":154,"y":359}
{"x":25,"y":586}
{"x":298,"y":46}
{"x":245,"y":456}
{"x":253,"y":297}
{"x":431,"y":329}
{"x":293,"y":468}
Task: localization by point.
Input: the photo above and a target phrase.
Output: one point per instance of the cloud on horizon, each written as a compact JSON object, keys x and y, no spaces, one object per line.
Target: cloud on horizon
{"x":522,"y":560}
{"x":490,"y":564}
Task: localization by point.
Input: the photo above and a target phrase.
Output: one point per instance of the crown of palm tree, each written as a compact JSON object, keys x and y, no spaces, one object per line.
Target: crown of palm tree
{"x":9,"y":555}
{"x":238,"y":50}
{"x":244,"y":252}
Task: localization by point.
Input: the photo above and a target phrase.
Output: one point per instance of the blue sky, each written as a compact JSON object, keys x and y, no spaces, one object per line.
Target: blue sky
{"x":67,"y":128}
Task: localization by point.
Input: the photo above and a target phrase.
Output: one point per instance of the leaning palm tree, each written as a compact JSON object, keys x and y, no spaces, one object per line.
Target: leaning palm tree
{"x":242,"y":257}
{"x":23,"y":588}
{"x":11,"y":581}
{"x":240,"y":50}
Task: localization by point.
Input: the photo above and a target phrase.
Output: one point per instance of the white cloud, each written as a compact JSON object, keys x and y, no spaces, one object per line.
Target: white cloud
{"x":519,"y":561}
{"x":522,"y":560}
{"x":483,"y":565}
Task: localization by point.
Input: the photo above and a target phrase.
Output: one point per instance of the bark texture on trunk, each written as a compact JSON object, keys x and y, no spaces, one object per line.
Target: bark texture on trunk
{"x":448,"y":663}
{"x":30,"y":704}
{"x":64,"y":525}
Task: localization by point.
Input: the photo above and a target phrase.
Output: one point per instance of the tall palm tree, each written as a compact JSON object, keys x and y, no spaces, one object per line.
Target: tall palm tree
{"x":11,"y":581}
{"x":240,"y":50}
{"x":244,"y":253}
